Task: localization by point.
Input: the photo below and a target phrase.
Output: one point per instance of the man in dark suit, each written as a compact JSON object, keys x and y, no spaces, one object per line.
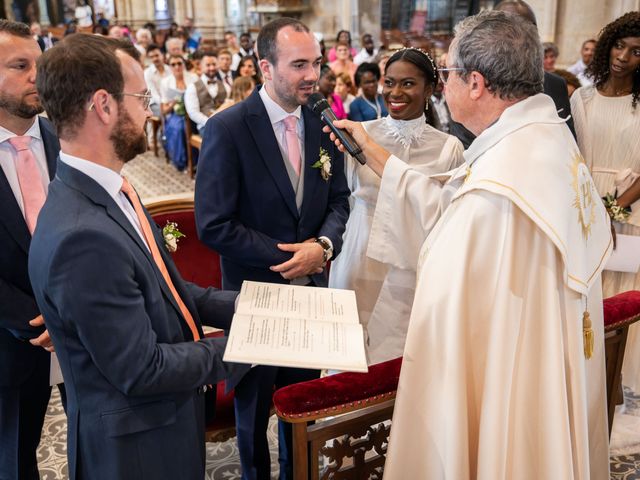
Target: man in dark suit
{"x":554,"y":85}
{"x":273,"y":216}
{"x":24,"y":344}
{"x":127,"y":328}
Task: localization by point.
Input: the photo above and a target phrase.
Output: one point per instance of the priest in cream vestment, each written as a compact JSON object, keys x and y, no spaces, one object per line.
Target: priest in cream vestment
{"x":503,"y":372}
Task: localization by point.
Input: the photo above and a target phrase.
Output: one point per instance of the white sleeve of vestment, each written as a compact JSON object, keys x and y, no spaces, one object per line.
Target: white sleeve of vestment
{"x":406,"y":210}
{"x":192,"y":105}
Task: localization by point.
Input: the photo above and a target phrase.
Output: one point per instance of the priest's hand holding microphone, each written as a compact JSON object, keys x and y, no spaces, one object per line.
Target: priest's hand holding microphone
{"x":350,"y":136}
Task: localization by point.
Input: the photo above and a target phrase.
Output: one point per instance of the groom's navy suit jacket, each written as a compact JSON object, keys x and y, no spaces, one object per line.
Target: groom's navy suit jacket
{"x":132,"y":372}
{"x":245,"y":203}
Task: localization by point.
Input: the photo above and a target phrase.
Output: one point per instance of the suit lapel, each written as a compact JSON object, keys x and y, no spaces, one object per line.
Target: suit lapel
{"x":262,"y":132}
{"x":98,"y":195}
{"x":11,"y":215}
{"x":51,"y":145}
{"x":312,"y":135}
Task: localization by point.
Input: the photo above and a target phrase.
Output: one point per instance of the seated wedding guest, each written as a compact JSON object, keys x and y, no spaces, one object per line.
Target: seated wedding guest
{"x":345,"y":89}
{"x":369,"y":105}
{"x":368,"y":52}
{"x":248,"y":67}
{"x":28,"y":156}
{"x":204,"y":96}
{"x":153,"y":76}
{"x":503,"y":373}
{"x":326,"y":86}
{"x":343,"y":62}
{"x":551,"y":54}
{"x":384,"y":292}
{"x":172,"y":90}
{"x":174,"y":46}
{"x":586,"y":57}
{"x":245,"y":49}
{"x":607,"y":118}
{"x":572,"y":81}
{"x":240,"y":90}
{"x":344,"y":36}
{"x":225,"y":74}
{"x":127,"y":327}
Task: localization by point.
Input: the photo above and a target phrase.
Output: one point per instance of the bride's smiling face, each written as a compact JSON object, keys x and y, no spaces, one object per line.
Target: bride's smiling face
{"x":405,"y":90}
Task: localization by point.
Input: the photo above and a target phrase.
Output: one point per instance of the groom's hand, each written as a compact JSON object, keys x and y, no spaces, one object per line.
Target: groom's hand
{"x":308,"y":259}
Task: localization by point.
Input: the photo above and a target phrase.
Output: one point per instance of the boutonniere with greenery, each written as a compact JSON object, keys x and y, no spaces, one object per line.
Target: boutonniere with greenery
{"x":171,"y":236}
{"x":324,"y":164}
{"x":615,"y":211}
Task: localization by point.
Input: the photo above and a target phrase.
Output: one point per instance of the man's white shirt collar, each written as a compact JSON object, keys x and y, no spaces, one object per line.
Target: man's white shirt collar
{"x":276,"y":112}
{"x":34,"y":131}
{"x":108,"y":179}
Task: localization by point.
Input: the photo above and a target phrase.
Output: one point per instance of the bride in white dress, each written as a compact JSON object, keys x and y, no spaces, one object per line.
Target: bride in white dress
{"x":607,"y":120}
{"x":384,"y":293}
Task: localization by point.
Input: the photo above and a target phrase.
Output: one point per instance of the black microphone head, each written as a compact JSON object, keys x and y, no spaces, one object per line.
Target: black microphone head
{"x":317,"y":103}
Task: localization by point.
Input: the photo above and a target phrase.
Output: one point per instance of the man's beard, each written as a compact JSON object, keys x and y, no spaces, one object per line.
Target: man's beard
{"x":128,"y":141}
{"x":20,"y":108}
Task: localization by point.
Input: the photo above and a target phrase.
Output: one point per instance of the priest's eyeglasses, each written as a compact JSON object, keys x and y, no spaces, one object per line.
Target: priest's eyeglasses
{"x":444,"y":73}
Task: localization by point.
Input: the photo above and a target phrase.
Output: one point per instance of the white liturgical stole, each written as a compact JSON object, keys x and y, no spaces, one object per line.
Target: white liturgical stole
{"x":548,"y":178}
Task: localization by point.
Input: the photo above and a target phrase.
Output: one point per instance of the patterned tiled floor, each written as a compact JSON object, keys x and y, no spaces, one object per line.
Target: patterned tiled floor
{"x":154,"y":177}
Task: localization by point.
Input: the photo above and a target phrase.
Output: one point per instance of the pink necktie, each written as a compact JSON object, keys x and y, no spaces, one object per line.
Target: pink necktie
{"x":30,"y":179}
{"x":293,"y":147}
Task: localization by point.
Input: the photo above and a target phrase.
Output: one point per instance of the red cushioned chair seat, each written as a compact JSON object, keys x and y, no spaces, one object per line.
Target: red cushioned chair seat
{"x":196,"y":263}
{"x":338,"y":392}
{"x":621,"y":309}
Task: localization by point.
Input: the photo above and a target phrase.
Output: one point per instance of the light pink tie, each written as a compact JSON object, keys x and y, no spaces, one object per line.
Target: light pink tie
{"x":293,"y":147}
{"x":30,"y":179}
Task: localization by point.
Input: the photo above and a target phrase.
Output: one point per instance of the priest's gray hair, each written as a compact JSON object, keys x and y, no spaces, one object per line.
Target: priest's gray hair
{"x":504,"y":48}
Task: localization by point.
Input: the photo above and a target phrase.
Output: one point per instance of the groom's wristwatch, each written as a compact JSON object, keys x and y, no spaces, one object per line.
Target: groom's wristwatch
{"x":327,"y":248}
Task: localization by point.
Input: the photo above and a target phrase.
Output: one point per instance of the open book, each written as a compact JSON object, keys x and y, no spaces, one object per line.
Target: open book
{"x":293,"y":326}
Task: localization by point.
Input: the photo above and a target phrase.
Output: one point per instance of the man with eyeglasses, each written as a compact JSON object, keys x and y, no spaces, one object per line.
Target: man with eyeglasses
{"x":127,"y":327}
{"x":503,"y":372}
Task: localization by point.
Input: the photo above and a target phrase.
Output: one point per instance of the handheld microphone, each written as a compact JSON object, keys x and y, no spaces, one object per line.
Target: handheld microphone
{"x":321,"y":107}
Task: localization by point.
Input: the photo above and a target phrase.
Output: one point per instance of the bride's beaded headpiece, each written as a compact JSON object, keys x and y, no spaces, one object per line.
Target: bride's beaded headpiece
{"x":426,"y":54}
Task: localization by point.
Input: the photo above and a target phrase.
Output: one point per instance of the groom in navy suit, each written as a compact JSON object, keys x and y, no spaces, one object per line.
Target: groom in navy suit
{"x":271,"y":213}
{"x":24,"y":344}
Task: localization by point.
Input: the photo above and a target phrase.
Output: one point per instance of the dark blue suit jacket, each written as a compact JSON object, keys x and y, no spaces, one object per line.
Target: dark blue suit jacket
{"x":18,"y":305}
{"x":245,"y":204}
{"x":131,"y":369}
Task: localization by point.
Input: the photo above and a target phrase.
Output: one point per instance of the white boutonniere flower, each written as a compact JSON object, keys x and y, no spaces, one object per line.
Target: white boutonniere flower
{"x":171,"y":236}
{"x":324,"y":164}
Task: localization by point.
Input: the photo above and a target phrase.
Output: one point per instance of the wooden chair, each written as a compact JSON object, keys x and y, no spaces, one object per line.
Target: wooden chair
{"x":200,"y":265}
{"x":620,"y":311}
{"x":352,"y":410}
{"x":192,"y":140}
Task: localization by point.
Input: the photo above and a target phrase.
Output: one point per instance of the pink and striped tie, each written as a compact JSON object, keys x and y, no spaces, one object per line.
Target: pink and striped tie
{"x":30,"y":179}
{"x":293,"y":146}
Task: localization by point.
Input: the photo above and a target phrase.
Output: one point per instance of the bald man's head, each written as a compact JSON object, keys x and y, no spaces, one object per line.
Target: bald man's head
{"x":519,"y":7}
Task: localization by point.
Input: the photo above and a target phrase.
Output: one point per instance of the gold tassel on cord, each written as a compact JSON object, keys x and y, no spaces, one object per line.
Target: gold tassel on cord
{"x":587,"y":335}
